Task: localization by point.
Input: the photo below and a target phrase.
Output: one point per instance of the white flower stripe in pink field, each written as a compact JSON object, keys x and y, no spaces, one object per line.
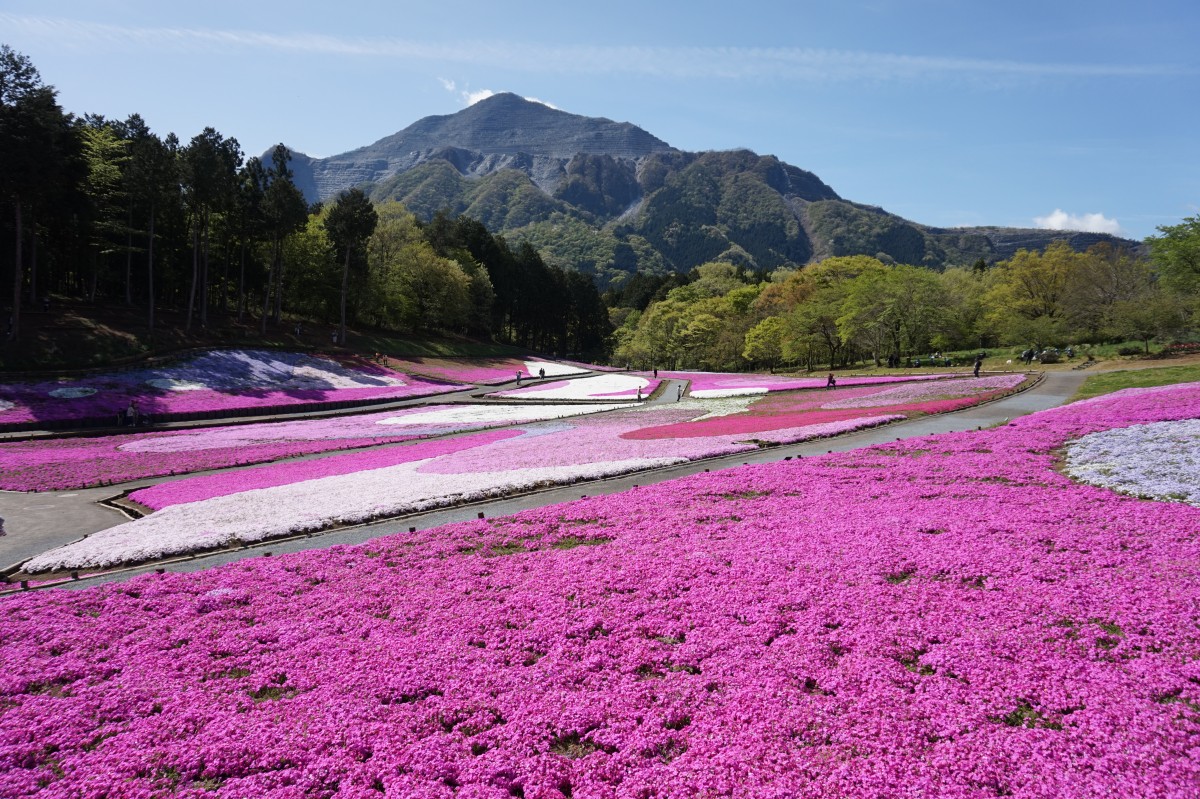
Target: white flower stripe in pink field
{"x":713,"y":385}
{"x":944,"y":617}
{"x":1158,"y":460}
{"x":596,"y":387}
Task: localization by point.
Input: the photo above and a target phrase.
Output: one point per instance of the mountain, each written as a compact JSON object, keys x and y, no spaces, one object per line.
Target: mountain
{"x":609,"y":199}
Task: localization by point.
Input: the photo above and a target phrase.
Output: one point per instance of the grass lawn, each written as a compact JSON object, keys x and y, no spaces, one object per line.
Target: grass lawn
{"x":1108,"y":382}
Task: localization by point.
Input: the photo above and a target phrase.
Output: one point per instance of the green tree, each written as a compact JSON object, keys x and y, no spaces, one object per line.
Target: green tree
{"x":209,"y":169}
{"x":36,"y":141}
{"x":151,"y":179}
{"x":1176,"y":251}
{"x":105,"y":155}
{"x":283,"y":212}
{"x":764,"y":341}
{"x":1027,"y":303}
{"x":350,"y":223}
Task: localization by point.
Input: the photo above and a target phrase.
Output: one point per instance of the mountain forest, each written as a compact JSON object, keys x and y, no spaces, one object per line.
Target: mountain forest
{"x":110,"y":212}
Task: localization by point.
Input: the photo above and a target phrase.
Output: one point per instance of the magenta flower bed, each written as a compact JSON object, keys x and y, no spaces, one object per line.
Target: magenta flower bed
{"x":222,"y":380}
{"x":945,"y":617}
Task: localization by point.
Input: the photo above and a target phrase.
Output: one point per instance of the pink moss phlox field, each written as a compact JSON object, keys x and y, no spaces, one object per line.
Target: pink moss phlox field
{"x":54,"y":464}
{"x":215,"y":381}
{"x":943,"y":617}
{"x":721,"y":384}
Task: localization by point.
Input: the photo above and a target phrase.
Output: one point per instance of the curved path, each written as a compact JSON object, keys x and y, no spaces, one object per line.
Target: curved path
{"x":41,"y":521}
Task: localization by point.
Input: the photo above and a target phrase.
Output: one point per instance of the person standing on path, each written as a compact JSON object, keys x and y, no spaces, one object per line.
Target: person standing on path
{"x":518,"y":377}
{"x":679,"y":392}
{"x":978,"y":363}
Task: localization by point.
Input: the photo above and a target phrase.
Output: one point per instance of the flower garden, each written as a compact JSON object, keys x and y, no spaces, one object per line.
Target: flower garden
{"x":284,"y":499}
{"x":213,"y":382}
{"x":950,"y":616}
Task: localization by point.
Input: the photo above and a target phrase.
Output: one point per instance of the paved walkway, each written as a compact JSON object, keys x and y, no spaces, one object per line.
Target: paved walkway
{"x":38,"y":522}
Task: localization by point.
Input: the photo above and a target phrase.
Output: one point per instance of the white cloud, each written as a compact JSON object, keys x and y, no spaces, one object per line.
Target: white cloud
{"x":469,"y":97}
{"x":473,"y":97}
{"x":1090,"y":223}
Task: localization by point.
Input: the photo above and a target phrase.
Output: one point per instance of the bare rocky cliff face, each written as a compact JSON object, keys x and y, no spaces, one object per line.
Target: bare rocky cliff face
{"x":503,"y":131}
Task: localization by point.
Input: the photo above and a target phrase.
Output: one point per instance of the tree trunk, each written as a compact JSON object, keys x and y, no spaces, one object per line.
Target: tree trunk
{"x":345,"y":286}
{"x":195,"y":276}
{"x":225,"y":279}
{"x":14,"y":321}
{"x":242,"y":285}
{"x":150,"y":271}
{"x":95,"y":279}
{"x":204,"y":280}
{"x":33,"y":261}
{"x":279,"y":285}
{"x":262,"y":323}
{"x":129,"y":257}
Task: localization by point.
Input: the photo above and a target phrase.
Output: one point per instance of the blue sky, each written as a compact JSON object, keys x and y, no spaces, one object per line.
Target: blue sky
{"x":1079,"y":114}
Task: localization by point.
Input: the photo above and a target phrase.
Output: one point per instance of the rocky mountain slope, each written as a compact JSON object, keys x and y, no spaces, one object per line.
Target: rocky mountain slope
{"x":609,"y":198}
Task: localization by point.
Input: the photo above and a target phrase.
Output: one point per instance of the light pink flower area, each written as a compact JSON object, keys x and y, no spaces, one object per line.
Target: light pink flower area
{"x":945,"y":617}
{"x":221,"y":380}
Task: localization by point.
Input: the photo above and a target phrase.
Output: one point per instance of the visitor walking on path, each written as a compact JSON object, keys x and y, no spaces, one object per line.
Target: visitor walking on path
{"x":978,"y":364}
{"x":518,"y":377}
{"x":679,"y":392}
{"x":831,"y":382}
